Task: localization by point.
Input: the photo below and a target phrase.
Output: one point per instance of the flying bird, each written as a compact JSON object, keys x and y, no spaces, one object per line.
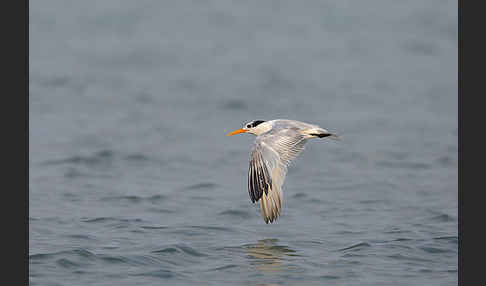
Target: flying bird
{"x":278,"y":142}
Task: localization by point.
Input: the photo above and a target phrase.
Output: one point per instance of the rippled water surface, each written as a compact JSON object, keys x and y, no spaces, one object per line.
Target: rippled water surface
{"x":133,"y":181}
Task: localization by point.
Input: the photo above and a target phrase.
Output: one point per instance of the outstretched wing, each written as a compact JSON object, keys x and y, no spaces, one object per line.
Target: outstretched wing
{"x":259,"y":178}
{"x":270,"y":157}
{"x":287,"y":143}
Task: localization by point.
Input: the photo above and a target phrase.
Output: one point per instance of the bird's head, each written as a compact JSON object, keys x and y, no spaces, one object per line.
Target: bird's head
{"x":255,"y":127}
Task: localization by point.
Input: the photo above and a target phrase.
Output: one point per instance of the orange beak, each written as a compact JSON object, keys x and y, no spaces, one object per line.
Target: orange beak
{"x":236,"y":132}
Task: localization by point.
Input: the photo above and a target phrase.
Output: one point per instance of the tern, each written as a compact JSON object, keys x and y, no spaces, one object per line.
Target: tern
{"x":277,"y":144}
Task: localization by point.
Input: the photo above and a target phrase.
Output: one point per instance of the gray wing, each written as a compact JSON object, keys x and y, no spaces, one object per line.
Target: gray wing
{"x":287,"y":143}
{"x":259,"y":178}
{"x":271,"y":155}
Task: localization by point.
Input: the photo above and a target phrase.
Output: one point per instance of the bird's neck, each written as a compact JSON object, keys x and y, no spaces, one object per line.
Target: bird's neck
{"x":262,"y":128}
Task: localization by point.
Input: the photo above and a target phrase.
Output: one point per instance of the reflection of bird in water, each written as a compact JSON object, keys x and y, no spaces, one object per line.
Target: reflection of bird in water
{"x":267,"y":255}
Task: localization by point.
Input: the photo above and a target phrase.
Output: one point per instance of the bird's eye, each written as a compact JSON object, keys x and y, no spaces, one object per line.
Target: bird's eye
{"x":248,"y":126}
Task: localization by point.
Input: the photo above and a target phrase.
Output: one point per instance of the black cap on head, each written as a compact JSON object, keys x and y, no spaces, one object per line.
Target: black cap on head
{"x":256,"y":123}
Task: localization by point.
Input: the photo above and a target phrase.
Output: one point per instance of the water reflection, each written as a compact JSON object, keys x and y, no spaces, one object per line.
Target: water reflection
{"x":267,"y":255}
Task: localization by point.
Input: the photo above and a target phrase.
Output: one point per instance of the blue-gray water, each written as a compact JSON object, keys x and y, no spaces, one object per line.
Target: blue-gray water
{"x":133,"y":181}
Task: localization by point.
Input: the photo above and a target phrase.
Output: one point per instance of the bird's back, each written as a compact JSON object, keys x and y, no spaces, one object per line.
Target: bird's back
{"x":286,"y":129}
{"x":281,"y":124}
